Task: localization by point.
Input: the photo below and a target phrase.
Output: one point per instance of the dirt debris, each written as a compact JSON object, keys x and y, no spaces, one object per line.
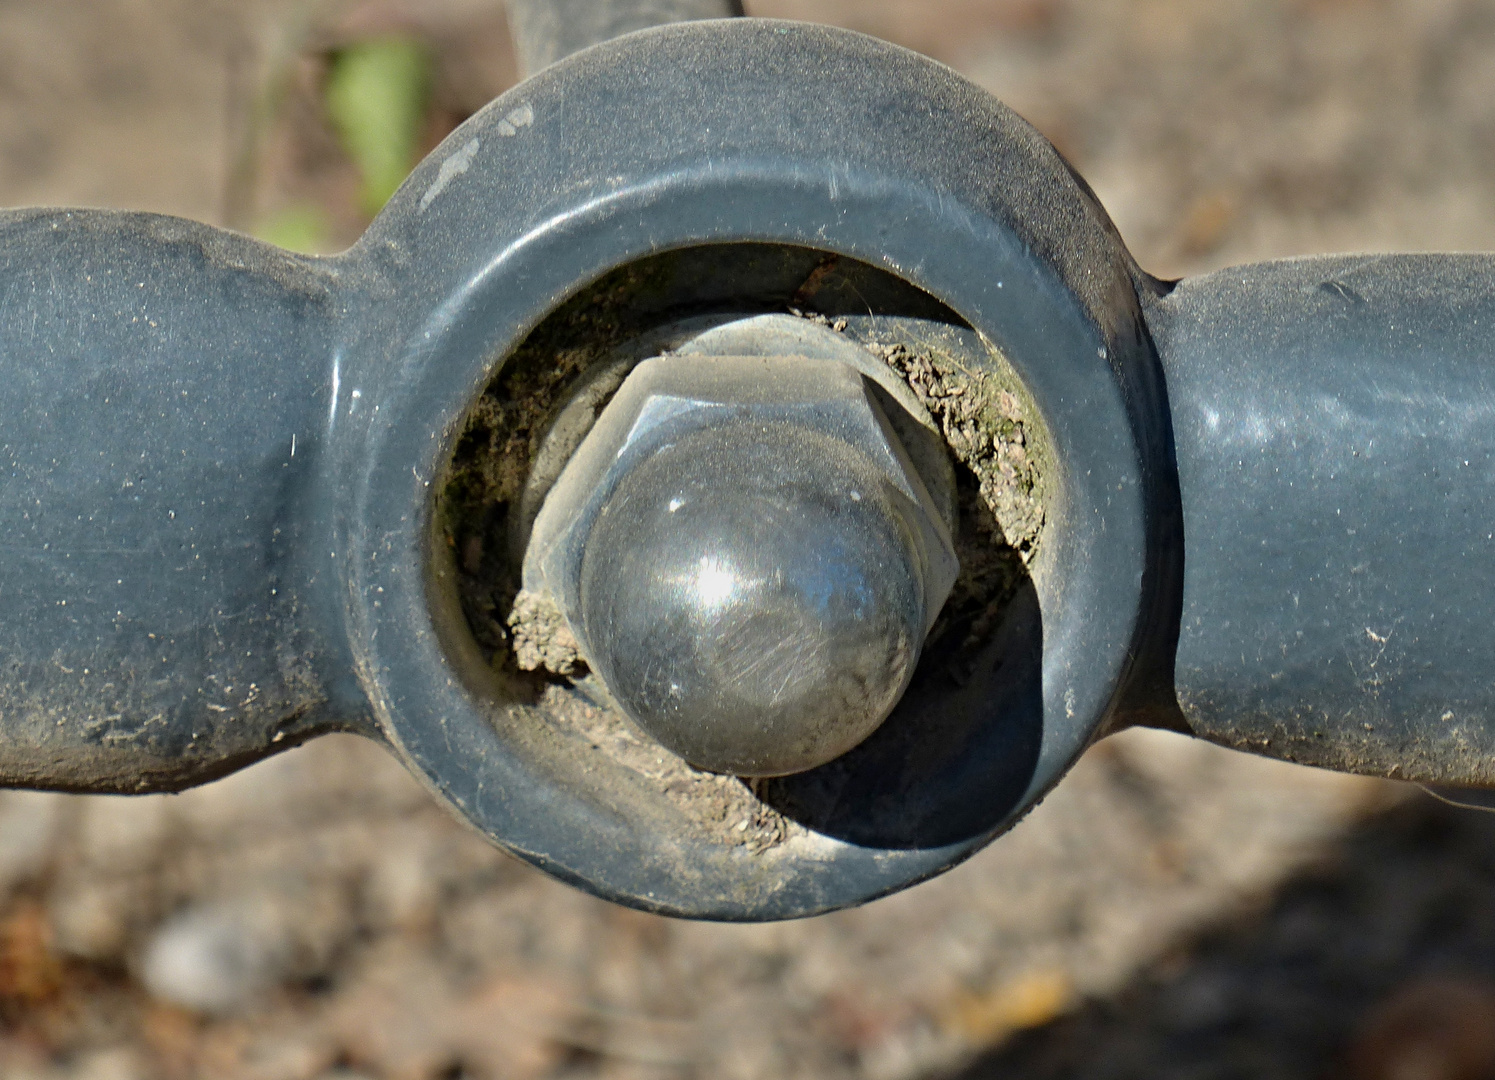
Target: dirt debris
{"x":989,"y":430}
{"x":484,"y":490}
{"x":541,"y":637}
{"x":995,"y":438}
{"x":720,"y":809}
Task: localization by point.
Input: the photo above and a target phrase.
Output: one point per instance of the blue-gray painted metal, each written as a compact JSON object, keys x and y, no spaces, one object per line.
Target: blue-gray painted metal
{"x":1335,"y":420}
{"x":185,"y":593}
{"x":218,"y":521}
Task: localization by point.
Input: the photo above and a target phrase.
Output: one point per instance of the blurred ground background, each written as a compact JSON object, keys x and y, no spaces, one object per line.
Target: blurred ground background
{"x":1173,"y":910}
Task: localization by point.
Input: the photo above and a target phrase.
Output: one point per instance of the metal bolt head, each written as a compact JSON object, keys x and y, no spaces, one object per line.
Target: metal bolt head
{"x":747,"y":558}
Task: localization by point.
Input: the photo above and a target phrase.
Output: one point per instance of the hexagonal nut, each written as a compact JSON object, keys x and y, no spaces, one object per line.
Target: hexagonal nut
{"x":746,"y":557}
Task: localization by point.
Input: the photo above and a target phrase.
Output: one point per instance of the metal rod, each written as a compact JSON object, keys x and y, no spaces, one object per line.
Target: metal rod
{"x":548,"y":30}
{"x":1335,"y":429}
{"x":156,"y":502}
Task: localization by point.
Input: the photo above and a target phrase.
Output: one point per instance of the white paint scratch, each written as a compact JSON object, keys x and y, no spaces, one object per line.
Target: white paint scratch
{"x":521,"y":117}
{"x":451,"y":168}
{"x":337,"y":385}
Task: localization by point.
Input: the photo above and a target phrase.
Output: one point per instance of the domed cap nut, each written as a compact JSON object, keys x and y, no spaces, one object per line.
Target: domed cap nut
{"x":747,"y":557}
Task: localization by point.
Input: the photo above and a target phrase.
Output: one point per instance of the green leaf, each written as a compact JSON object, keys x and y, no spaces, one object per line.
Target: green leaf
{"x":376,"y":96}
{"x":302,"y":228}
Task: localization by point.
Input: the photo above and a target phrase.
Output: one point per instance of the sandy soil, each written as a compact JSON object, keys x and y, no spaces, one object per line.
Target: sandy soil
{"x":1173,"y":910}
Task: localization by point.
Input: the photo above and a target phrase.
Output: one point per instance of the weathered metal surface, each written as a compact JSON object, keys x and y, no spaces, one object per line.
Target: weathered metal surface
{"x":161,"y":427}
{"x":1335,"y":420}
{"x":222,"y":523}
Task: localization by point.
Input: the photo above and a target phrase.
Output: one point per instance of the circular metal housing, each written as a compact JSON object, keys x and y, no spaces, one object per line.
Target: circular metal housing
{"x":750,"y":132}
